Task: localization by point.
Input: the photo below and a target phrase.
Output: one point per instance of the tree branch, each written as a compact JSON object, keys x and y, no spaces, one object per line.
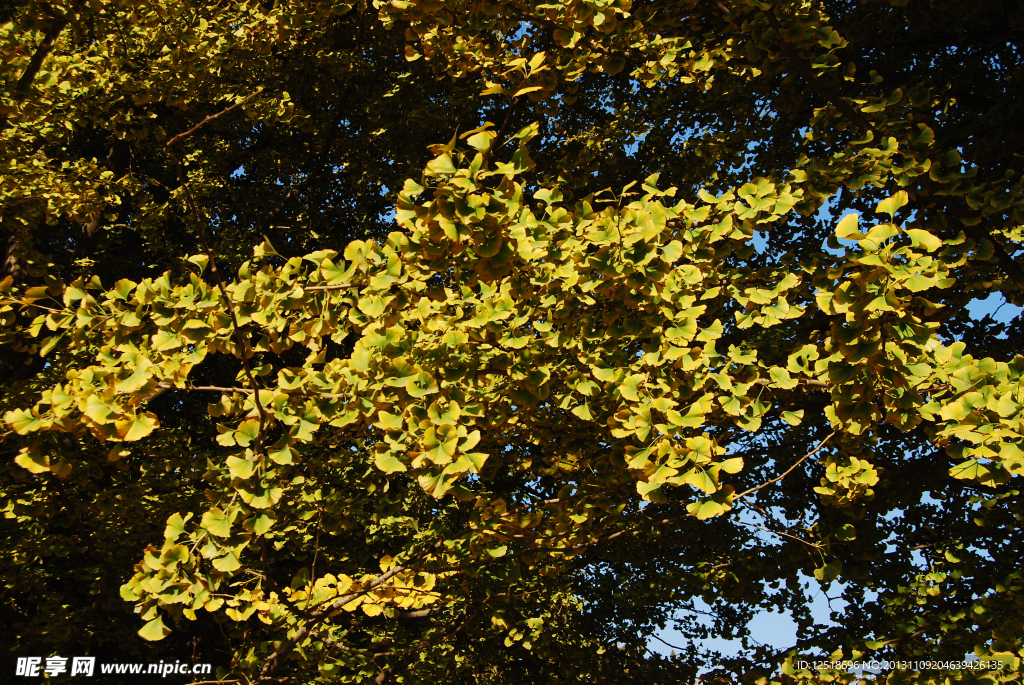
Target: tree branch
{"x":243,"y":348}
{"x":218,"y":388}
{"x":787,"y":471}
{"x":59,"y":22}
{"x":207,"y":119}
{"x":286,"y":647}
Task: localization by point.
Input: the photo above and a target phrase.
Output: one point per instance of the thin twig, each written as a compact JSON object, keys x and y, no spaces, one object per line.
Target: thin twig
{"x":243,"y":347}
{"x":802,"y":381}
{"x":207,"y":119}
{"x":775,"y":532}
{"x":787,"y":471}
{"x":218,"y":388}
{"x":316,"y":553}
{"x":332,"y":287}
{"x":275,"y":661}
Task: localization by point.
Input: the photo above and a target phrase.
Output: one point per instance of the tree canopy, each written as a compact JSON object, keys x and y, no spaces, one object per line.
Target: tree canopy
{"x":478,"y":341}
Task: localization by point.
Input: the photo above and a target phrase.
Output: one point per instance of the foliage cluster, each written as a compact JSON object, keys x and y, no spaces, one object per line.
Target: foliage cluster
{"x":672,"y":329}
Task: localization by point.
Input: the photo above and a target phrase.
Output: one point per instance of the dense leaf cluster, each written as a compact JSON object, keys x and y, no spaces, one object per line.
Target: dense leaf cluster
{"x":671,"y":331}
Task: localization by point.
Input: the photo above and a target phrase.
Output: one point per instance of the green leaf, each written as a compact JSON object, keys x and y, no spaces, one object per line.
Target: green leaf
{"x":734,"y":465}
{"x":389,"y":422}
{"x":891,"y":205}
{"x":481,"y":141}
{"x":782,"y":378}
{"x":629,"y":388}
{"x":583,"y":411}
{"x":22,"y":421}
{"x":441,"y":165}
{"x":123,"y":288}
{"x":829,"y":571}
{"x":450,"y":414}
{"x":703,"y":481}
{"x":261,"y":496}
{"x":848,"y":227}
{"x":175,"y":526}
{"x":260,"y":523}
{"x":246,"y":432}
{"x":371,"y":305}
{"x":282,"y":453}
{"x":971,"y":469}
{"x":228,"y":562}
{"x":240,"y":468}
{"x":137,"y":427}
{"x":846,"y":532}
{"x":707,"y":508}
{"x":424,"y":384}
{"x":154,"y":630}
{"x":651,"y":492}
{"x":793,"y":418}
{"x":474,"y":461}
{"x":35,"y":463}
{"x":217,"y":522}
{"x":133,"y":382}
{"x":923,"y":239}
{"x":386,"y":461}
{"x":200,"y":260}
{"x":672,"y":251}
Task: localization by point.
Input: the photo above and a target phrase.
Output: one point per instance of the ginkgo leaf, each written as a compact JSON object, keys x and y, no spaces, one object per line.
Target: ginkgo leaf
{"x":922,"y":238}
{"x":23,"y":421}
{"x":261,"y":496}
{"x":891,"y":204}
{"x":386,"y":461}
{"x":782,"y":378}
{"x":228,"y":562}
{"x":629,"y":388}
{"x":703,"y":481}
{"x":848,"y":227}
{"x":154,"y":630}
{"x":217,"y":522}
{"x":240,"y":468}
{"x":246,"y":432}
{"x":734,"y":465}
{"x":175,"y":526}
{"x":35,"y":463}
{"x":260,"y":523}
{"x":793,"y":418}
{"x":483,"y":298}
{"x":137,"y":427}
{"x":707,"y":508}
{"x":583,"y":411}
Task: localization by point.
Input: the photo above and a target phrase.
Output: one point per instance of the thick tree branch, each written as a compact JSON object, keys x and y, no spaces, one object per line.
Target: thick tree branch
{"x":60,"y":21}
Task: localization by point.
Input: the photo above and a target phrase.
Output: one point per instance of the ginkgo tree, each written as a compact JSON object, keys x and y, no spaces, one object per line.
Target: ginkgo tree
{"x":672,"y":329}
